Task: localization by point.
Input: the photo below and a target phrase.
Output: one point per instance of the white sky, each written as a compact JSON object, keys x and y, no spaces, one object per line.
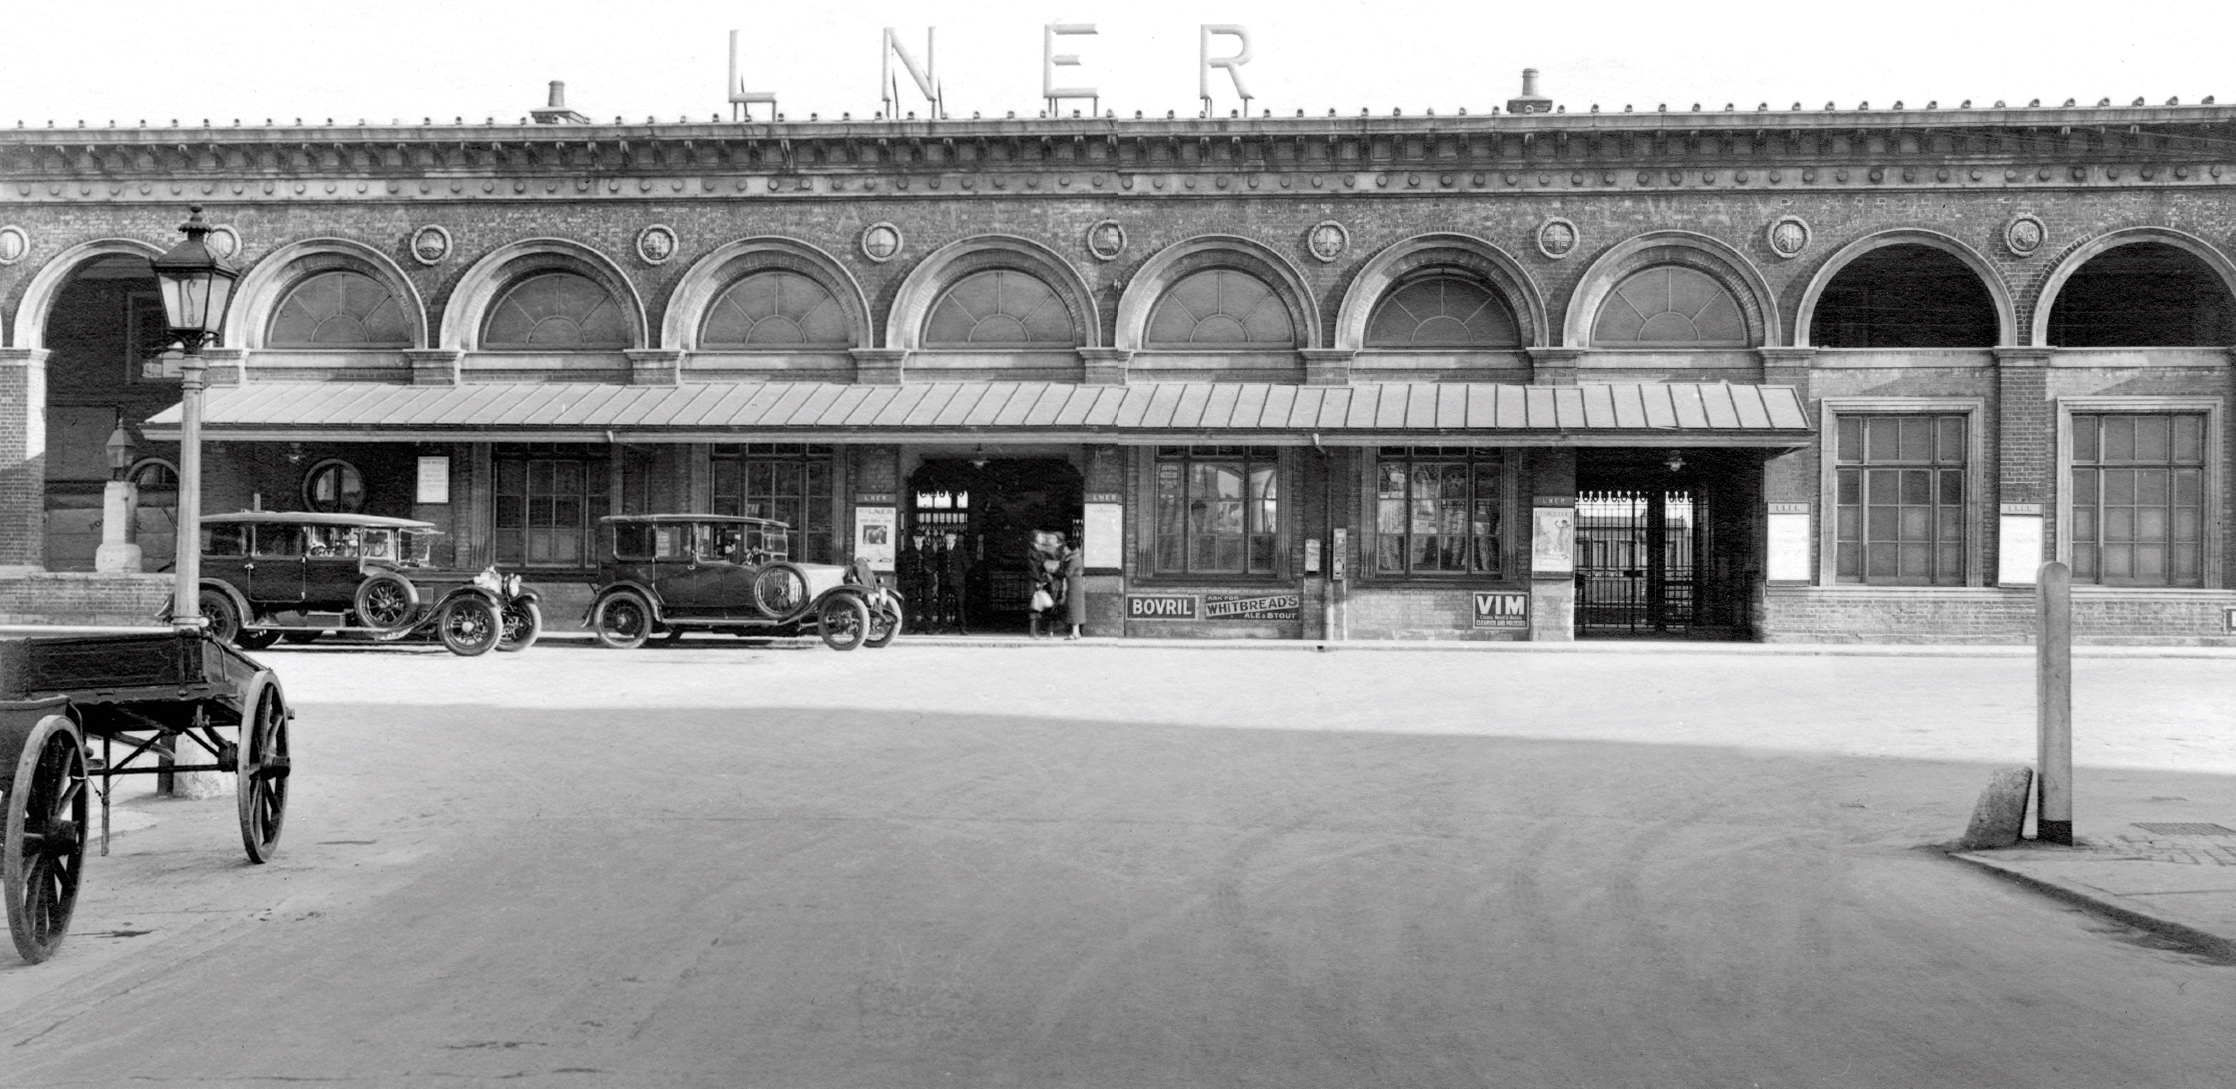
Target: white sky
{"x":116,"y":59}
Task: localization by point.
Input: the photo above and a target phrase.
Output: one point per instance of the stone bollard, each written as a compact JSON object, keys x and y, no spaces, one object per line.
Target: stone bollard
{"x":1996,"y":820}
{"x":202,"y":785}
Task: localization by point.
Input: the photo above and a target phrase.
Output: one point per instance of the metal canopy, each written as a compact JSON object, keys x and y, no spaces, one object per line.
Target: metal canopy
{"x":1662,"y":414}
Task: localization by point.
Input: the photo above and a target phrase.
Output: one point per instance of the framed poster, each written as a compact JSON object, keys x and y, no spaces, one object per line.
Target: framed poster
{"x":1104,"y":529}
{"x":1552,"y":541}
{"x":874,"y":528}
{"x":434,"y":480}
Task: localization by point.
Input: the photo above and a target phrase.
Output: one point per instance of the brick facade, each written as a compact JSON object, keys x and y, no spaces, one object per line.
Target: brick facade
{"x":1634,"y":191}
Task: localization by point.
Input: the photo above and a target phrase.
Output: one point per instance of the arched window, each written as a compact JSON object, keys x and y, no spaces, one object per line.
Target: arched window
{"x":1000,"y":308}
{"x":1220,"y":308}
{"x":2142,"y":295}
{"x":776,"y":309}
{"x":334,"y":486}
{"x":1906,"y":296}
{"x":1442,"y":310}
{"x":557,"y":311}
{"x":1670,"y":306}
{"x":340,"y":308}
{"x":153,"y":474}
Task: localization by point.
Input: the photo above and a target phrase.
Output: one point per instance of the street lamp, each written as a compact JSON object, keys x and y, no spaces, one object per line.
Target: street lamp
{"x":196,"y":285}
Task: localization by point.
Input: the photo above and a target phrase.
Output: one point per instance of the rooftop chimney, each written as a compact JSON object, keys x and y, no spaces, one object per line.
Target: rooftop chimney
{"x":1529,"y":101}
{"x":556,"y":112}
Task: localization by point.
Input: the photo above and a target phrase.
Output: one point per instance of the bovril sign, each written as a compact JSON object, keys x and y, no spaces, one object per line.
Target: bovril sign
{"x":1268,"y":606}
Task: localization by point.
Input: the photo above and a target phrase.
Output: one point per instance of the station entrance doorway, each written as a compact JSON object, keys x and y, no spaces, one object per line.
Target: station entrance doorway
{"x":1664,"y":548}
{"x":989,"y":507}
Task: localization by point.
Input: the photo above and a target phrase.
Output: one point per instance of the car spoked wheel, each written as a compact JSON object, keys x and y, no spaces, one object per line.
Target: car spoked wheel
{"x":523,"y":623}
{"x":468,"y":626}
{"x":46,"y":833}
{"x":623,"y":622}
{"x":386,"y":602}
{"x":219,"y":616}
{"x":843,"y":621}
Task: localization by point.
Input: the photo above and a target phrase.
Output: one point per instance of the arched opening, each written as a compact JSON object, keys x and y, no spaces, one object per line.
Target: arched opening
{"x":339,"y":308}
{"x":106,"y":333}
{"x":1220,"y":309}
{"x":2143,"y":295}
{"x":556,"y":310}
{"x":1905,"y":296}
{"x":1670,"y":306}
{"x":1000,"y":308}
{"x":776,"y":309}
{"x":1443,"y":308}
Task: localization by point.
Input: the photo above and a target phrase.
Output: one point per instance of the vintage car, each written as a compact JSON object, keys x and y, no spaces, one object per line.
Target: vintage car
{"x":302,"y":575}
{"x":668,"y":574}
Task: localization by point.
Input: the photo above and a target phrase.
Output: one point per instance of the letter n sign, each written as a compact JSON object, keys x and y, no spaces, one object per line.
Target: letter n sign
{"x":1501,"y":609}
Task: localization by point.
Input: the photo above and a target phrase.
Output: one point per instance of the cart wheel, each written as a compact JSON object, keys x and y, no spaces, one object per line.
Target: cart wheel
{"x":523,"y":623}
{"x":220,"y":617}
{"x":46,"y":834}
{"x":885,"y":624}
{"x":386,"y":602}
{"x":256,"y":639}
{"x":844,"y":622}
{"x":263,"y":767}
{"x":623,"y":622}
{"x":469,"y":626}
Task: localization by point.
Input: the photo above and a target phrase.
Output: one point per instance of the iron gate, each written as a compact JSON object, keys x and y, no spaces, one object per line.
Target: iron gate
{"x":1635,"y":569}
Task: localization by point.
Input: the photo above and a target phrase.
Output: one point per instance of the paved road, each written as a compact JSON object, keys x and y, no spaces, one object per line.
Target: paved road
{"x":1077,"y":866}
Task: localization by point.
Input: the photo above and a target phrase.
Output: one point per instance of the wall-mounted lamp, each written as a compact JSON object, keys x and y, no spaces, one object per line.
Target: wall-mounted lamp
{"x":1676,"y":461}
{"x":294,"y":453}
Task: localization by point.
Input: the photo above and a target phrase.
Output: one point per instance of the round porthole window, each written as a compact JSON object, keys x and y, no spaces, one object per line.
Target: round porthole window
{"x":334,"y":487}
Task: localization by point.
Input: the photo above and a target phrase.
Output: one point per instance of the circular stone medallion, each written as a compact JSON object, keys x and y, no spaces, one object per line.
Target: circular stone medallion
{"x":1556,"y":238}
{"x":2024,"y":234}
{"x":1106,"y":240}
{"x":655,"y":244}
{"x":1327,"y":240}
{"x":13,"y":244}
{"x":225,"y":241}
{"x":881,"y":242}
{"x":1788,"y":236}
{"x":430,"y":244}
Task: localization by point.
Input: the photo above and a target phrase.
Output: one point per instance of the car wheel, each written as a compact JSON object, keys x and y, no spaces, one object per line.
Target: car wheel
{"x":623,"y":622}
{"x":468,"y":626}
{"x":843,"y":621}
{"x":220,"y":617}
{"x":523,"y":624}
{"x":255,"y":639}
{"x":386,"y":602}
{"x":885,"y":624}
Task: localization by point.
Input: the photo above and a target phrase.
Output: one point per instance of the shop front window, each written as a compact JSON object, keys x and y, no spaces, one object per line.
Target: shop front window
{"x":2139,"y":499}
{"x":789,"y":482}
{"x":1218,"y":510}
{"x":546,"y":496}
{"x":1900,"y":500}
{"x":1438,"y":511}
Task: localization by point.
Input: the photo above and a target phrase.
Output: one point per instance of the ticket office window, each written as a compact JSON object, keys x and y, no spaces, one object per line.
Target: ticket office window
{"x":792,"y":483}
{"x":2138,"y":494}
{"x":1218,"y":510}
{"x":1901,"y":483}
{"x":1440,"y":511}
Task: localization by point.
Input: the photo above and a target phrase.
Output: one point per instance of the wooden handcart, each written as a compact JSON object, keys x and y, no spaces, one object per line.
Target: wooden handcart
{"x":157,"y":701}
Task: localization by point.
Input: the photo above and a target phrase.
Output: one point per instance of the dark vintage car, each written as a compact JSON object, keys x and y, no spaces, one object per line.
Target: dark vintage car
{"x":301,"y":574}
{"x":668,"y":574}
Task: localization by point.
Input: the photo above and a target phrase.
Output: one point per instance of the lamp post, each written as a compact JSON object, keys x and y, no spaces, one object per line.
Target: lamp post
{"x":196,"y":285}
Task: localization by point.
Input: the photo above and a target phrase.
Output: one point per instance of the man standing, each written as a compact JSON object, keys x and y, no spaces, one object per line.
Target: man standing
{"x":954,"y":572}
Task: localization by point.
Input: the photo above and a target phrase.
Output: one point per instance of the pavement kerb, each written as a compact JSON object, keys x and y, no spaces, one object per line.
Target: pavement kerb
{"x":1624,"y":646}
{"x":2107,"y":904}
